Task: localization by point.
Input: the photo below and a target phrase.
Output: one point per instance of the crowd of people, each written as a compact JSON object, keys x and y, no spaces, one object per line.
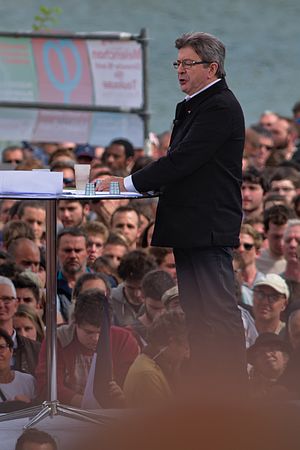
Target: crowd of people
{"x":105,"y":255}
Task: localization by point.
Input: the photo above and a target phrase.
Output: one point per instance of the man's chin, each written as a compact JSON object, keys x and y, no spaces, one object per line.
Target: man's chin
{"x":72,"y":270}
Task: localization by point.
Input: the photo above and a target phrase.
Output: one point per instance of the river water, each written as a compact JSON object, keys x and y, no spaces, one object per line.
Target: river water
{"x":261,"y":36}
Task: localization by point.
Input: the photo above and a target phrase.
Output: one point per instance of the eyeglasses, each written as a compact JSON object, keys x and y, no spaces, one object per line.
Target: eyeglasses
{"x":272,"y":298}
{"x":247,"y":246}
{"x":3,"y":347}
{"x":187,"y":63}
{"x":7,"y":300}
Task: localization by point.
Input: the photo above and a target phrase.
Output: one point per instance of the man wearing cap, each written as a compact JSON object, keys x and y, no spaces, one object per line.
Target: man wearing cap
{"x":84,"y":154}
{"x":268,"y":356}
{"x":270,"y":299}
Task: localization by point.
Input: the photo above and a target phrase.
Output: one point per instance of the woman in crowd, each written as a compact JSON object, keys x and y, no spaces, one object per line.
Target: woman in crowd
{"x":28,"y":323}
{"x":14,"y":385}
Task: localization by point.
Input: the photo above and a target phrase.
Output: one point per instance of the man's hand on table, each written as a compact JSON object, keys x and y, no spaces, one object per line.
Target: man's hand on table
{"x":105,"y":182}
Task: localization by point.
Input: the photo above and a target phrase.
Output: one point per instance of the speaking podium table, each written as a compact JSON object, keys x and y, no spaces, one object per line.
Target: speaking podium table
{"x":52,"y":407}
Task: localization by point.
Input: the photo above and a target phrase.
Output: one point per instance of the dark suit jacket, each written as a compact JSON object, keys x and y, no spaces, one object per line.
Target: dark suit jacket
{"x":200,"y":177}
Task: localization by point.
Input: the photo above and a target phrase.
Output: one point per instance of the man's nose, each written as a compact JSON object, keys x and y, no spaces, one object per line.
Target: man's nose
{"x":180,"y":67}
{"x":34,"y":267}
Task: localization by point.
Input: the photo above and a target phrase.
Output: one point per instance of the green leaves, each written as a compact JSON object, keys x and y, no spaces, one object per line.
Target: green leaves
{"x":46,"y":18}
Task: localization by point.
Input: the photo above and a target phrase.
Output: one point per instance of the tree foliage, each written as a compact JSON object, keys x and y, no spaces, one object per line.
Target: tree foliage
{"x":46,"y":18}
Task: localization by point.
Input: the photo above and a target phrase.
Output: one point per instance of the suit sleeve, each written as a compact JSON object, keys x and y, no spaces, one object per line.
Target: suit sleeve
{"x":208,"y":132}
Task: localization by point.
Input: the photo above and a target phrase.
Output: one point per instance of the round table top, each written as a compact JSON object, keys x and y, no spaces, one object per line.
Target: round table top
{"x":69,"y":194}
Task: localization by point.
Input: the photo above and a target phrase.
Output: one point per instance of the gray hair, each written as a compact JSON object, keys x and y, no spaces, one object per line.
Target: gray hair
{"x":290,"y":224}
{"x":7,"y":282}
{"x":206,"y":46}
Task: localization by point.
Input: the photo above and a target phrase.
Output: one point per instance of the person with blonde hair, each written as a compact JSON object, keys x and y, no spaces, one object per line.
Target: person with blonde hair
{"x":27,"y":322}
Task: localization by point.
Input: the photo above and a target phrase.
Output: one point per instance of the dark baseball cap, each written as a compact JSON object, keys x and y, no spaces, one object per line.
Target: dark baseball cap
{"x":265,"y":340}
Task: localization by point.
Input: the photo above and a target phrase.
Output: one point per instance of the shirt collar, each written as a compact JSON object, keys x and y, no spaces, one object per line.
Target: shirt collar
{"x":188,"y":97}
{"x":14,"y":338}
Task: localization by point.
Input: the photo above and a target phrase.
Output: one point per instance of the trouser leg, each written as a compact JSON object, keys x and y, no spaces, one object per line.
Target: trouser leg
{"x":207,"y":292}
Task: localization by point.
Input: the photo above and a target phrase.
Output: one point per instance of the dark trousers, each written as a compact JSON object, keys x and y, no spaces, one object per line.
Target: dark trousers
{"x":207,"y":293}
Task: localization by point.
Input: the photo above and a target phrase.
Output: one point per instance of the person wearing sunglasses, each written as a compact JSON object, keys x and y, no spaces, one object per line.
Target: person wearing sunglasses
{"x":13,"y":155}
{"x":67,"y":167}
{"x":250,"y":242}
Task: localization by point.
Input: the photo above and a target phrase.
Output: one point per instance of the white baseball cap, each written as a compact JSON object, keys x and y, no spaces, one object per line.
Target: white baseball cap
{"x":276,"y":282}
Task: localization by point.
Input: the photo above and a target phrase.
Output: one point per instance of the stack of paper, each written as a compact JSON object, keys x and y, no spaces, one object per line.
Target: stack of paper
{"x":31,"y":182}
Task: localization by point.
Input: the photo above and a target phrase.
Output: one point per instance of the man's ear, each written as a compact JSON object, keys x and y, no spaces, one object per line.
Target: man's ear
{"x":213,"y":69}
{"x":285,"y":303}
{"x":86,"y":209}
{"x":129,"y":162}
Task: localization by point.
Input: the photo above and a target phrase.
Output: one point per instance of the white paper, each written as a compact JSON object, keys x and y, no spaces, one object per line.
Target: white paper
{"x":30,"y":182}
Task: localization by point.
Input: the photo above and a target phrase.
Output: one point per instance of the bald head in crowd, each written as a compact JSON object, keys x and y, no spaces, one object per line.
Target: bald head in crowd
{"x":25,"y":253}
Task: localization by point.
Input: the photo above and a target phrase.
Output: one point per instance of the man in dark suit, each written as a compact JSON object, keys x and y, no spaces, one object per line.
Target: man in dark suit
{"x":199,"y":211}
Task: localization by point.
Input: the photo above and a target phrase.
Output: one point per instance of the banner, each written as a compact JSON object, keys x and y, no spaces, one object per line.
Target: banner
{"x":18,"y":81}
{"x":63,"y":71}
{"x":117,"y":73}
{"x":86,"y":72}
{"x":72,"y":72}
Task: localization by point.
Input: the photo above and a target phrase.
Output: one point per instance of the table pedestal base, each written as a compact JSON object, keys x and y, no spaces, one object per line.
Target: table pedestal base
{"x":51,"y":409}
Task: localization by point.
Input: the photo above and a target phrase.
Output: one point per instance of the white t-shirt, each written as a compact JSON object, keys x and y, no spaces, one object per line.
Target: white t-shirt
{"x":22,"y":384}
